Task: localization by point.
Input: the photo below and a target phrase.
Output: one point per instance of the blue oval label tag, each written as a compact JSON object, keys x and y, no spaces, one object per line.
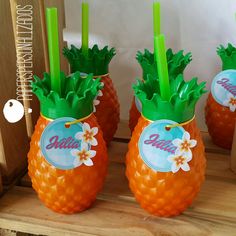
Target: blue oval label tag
{"x":67,"y":146}
{"x":166,"y":147}
{"x":223,"y":89}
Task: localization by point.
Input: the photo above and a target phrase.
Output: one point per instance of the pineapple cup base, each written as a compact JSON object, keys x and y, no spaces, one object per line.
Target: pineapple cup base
{"x":66,"y":191}
{"x":165,"y":194}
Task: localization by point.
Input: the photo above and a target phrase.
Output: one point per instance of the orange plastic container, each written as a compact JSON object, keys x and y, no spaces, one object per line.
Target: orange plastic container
{"x":165,"y":194}
{"x":66,"y":191}
{"x":219,"y":119}
{"x":107,"y":104}
{"x":134,"y":115}
{"x":165,"y":163}
{"x":68,"y":162}
{"x":220,"y":122}
{"x":108,"y":109}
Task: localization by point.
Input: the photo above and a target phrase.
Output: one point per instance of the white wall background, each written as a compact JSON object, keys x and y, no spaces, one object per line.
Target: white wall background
{"x":198,"y":26}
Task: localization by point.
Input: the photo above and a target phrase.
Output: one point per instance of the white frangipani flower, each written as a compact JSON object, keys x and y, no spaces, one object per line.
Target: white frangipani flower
{"x":96,"y":101}
{"x":179,"y":162}
{"x":184,"y":145}
{"x":83,"y":156}
{"x":88,"y":135}
{"x":100,"y":93}
{"x":230,"y":102}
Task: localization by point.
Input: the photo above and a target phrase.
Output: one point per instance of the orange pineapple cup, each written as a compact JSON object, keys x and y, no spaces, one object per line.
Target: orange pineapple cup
{"x":106,"y":104}
{"x":221,"y":119}
{"x":177,"y":62}
{"x":165,"y":174}
{"x":68,"y":156}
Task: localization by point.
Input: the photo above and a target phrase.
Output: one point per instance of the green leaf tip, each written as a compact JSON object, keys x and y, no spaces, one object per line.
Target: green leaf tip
{"x":77,"y":95}
{"x":97,"y":61}
{"x":228,"y":56}
{"x":180,"y":107}
{"x":177,"y":62}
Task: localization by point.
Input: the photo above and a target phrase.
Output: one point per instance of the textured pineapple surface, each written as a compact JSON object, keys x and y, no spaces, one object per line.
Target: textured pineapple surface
{"x":134,"y":115}
{"x":66,"y":191}
{"x":220,"y":122}
{"x":108,"y":110}
{"x":165,"y":194}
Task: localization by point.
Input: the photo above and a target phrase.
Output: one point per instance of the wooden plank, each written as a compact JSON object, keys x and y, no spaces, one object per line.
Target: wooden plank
{"x":15,"y":148}
{"x":218,"y":167}
{"x":117,"y":151}
{"x":2,"y":157}
{"x":116,"y":212}
{"x":123,"y":131}
{"x":14,"y":136}
{"x":6,"y":232}
{"x":233,"y":153}
{"x":1,"y":185}
{"x":19,"y":55}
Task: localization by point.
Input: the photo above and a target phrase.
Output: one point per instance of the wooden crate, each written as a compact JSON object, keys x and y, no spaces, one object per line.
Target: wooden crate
{"x":14,"y":143}
{"x":116,"y":212}
{"x":1,"y":185}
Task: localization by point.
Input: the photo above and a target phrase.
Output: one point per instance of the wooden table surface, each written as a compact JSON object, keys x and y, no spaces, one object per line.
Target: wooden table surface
{"x":116,"y":212}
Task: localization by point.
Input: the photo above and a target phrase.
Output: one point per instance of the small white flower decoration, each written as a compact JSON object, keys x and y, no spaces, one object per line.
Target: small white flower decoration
{"x":179,"y":162}
{"x":87,"y":135}
{"x":83,"y":156}
{"x":184,"y":146}
{"x":230,"y":102}
{"x":96,"y":102}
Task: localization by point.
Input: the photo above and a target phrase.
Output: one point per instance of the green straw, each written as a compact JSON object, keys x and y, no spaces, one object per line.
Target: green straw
{"x":156,"y":18}
{"x":53,"y":49}
{"x":162,"y":68}
{"x":85,"y":28}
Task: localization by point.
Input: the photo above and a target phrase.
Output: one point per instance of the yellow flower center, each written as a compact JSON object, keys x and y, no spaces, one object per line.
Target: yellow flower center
{"x":185,"y":145}
{"x":88,"y":135}
{"x":232,"y":101}
{"x":179,"y":160}
{"x":83,"y":155}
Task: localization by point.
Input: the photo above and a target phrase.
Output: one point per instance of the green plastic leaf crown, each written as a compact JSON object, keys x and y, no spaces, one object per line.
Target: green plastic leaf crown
{"x":97,"y":61}
{"x":180,"y":107}
{"x":76,"y":98}
{"x":177,"y":62}
{"x":228,"y":56}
